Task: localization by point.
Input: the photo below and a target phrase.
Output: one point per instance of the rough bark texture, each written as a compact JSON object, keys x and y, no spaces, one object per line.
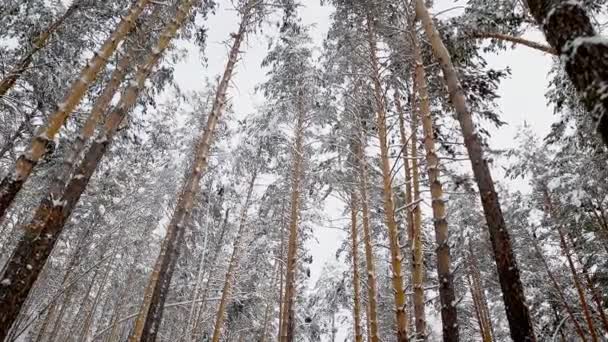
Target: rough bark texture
{"x":447,"y":297}
{"x":415,"y":228}
{"x":288,"y":320}
{"x":584,"y":53}
{"x":520,"y":323}
{"x":37,"y":44}
{"x":387,"y":190}
{"x":150,"y":315}
{"x":356,"y":281}
{"x":12,"y":183}
{"x":372,"y":286}
{"x":233,"y":264}
{"x":35,"y":246}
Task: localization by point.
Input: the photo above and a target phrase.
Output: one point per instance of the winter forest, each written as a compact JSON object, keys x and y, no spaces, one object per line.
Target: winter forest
{"x":303,"y":170}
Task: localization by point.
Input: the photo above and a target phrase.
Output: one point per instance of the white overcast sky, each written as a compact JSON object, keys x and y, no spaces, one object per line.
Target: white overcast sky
{"x":522,"y":94}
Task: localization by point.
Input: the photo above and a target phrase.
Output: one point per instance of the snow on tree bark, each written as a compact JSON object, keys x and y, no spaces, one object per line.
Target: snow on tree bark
{"x":355,"y":260}
{"x":150,"y":315}
{"x":582,"y":50}
{"x":11,"y":184}
{"x":520,"y":323}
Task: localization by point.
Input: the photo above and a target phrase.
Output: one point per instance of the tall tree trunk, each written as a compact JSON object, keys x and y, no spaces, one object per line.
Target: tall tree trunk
{"x":38,"y":43}
{"x":583,"y":51}
{"x":86,"y":327}
{"x":415,"y":229}
{"x":482,"y":306}
{"x":233,"y":264}
{"x":35,"y":246}
{"x":520,"y":323}
{"x":297,"y":170}
{"x":191,"y":322}
{"x":148,"y":320}
{"x":447,"y":297}
{"x":212,"y":268}
{"x":118,"y":308}
{"x":568,"y":253}
{"x":558,"y":289}
{"x":12,"y":183}
{"x":356,"y":282}
{"x":269,"y":304}
{"x":281,"y":274}
{"x":477,"y":307}
{"x":387,"y":191}
{"x":372,"y":286}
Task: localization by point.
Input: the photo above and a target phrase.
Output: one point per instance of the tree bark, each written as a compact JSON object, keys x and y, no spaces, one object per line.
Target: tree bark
{"x":288,"y":320}
{"x":38,"y":44}
{"x":389,"y":208}
{"x":355,"y":260}
{"x":233,"y":264}
{"x":583,"y":52}
{"x":415,"y":229}
{"x":147,"y":323}
{"x":477,"y":287}
{"x":518,"y":315}
{"x":372,"y":286}
{"x":12,"y":183}
{"x":447,"y":297}
{"x":568,"y":253}
{"x":35,"y":246}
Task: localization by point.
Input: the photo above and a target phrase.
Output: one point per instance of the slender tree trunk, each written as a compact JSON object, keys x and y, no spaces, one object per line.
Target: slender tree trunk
{"x":520,"y":323}
{"x":234,"y":262}
{"x":11,"y":184}
{"x":446,"y":285}
{"x":288,"y":320}
{"x":558,"y":289}
{"x":477,"y":287}
{"x":415,"y":233}
{"x":269,"y":305}
{"x":389,"y":208}
{"x":37,"y":44}
{"x":118,"y":308}
{"x":568,"y":253}
{"x":35,"y":246}
{"x":147,"y":323}
{"x":191,"y":322}
{"x":477,"y":307}
{"x":355,"y":260}
{"x":86,"y":327}
{"x":281,"y":274}
{"x":569,"y":30}
{"x":212,"y":267}
{"x":372,"y":286}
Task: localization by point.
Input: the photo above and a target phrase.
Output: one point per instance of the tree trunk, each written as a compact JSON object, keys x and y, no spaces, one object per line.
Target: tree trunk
{"x":583,"y":52}
{"x":86,"y":327}
{"x":147,"y":323}
{"x":355,"y":260}
{"x":520,"y":323}
{"x":415,"y":229}
{"x":35,"y":246}
{"x":447,"y":297}
{"x":234,"y":262}
{"x":568,"y":253}
{"x":281,"y":273}
{"x":288,"y":320}
{"x":515,"y":40}
{"x":118,"y":308}
{"x":482,"y":305}
{"x":212,"y":267}
{"x":389,"y":209}
{"x":558,"y":289}
{"x":372,"y":286}
{"x":11,"y":184}
{"x":37,"y":44}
